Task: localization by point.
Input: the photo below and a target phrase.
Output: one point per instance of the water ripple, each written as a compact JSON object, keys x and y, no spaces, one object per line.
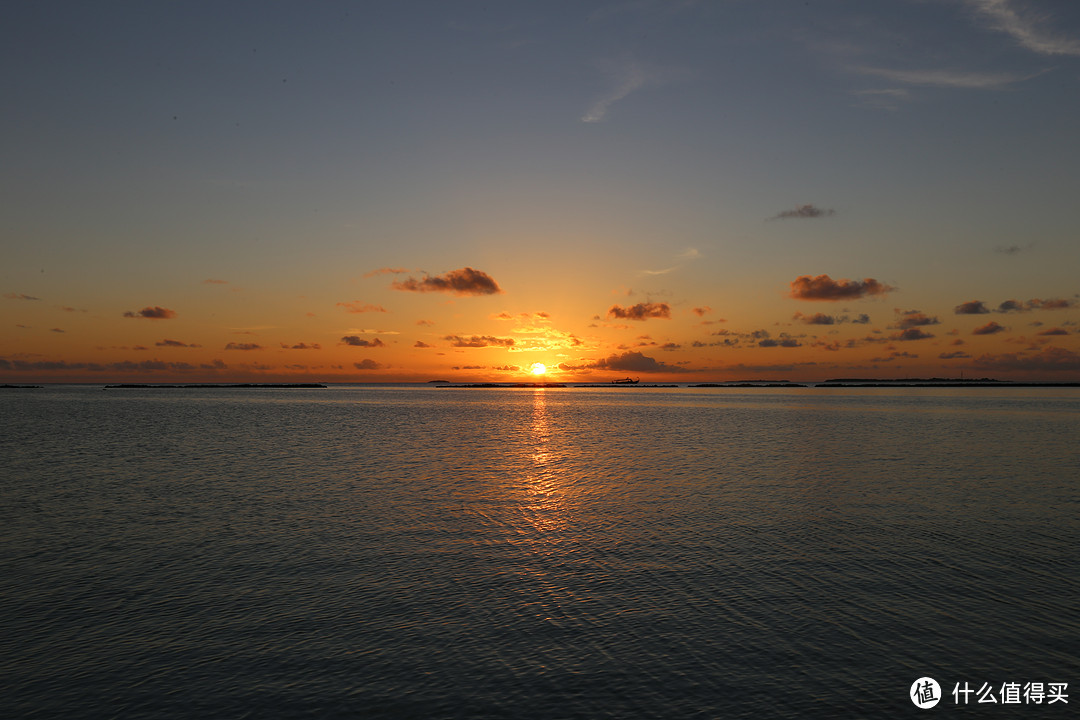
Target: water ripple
{"x":413,"y":552}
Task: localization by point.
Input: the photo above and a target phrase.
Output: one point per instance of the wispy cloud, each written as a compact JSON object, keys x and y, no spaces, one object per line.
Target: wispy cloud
{"x":19,"y":296}
{"x":370,"y":331}
{"x":625,"y":76}
{"x":385,"y":271}
{"x":687,"y":254}
{"x":1027,"y":29}
{"x":945,"y":78}
{"x":359,"y":307}
{"x":883,"y":98}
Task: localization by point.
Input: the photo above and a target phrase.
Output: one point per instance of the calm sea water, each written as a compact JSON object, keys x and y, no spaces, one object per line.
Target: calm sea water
{"x":419,"y":552}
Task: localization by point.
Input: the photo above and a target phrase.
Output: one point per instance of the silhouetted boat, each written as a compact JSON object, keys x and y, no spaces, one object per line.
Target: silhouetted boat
{"x":626,"y":381}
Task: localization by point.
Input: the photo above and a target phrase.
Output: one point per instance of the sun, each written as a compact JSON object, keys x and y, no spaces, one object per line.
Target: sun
{"x":538,"y":369}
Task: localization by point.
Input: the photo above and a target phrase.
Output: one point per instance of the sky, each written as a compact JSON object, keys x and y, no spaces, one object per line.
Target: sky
{"x":465,"y":191}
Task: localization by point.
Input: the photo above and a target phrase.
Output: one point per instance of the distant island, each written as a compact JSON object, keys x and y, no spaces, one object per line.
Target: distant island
{"x":936,"y":380}
{"x":751,"y":384}
{"x":627,"y":385}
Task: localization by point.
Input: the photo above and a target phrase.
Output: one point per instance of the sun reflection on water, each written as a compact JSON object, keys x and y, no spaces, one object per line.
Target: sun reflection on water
{"x":544,"y":484}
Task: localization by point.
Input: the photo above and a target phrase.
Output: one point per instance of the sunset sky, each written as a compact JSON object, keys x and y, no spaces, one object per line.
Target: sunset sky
{"x":406,"y":191}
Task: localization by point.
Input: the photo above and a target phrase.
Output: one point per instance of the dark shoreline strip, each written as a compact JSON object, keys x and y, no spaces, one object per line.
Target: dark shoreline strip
{"x":995,"y":384}
{"x":267,"y":386}
{"x":505,"y":385}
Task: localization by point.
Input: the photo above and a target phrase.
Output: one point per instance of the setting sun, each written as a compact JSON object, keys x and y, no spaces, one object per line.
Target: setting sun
{"x":538,"y":369}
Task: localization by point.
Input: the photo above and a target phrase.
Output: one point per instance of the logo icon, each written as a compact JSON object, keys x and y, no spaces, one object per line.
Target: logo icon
{"x":925,"y":693}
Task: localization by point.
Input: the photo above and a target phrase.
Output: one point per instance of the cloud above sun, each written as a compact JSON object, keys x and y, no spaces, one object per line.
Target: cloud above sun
{"x":466,"y":281}
{"x":633,"y":361}
{"x":641,"y":311}
{"x":479,"y":341}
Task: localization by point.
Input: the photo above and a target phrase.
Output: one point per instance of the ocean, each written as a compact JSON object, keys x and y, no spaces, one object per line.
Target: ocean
{"x":426,"y":552}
